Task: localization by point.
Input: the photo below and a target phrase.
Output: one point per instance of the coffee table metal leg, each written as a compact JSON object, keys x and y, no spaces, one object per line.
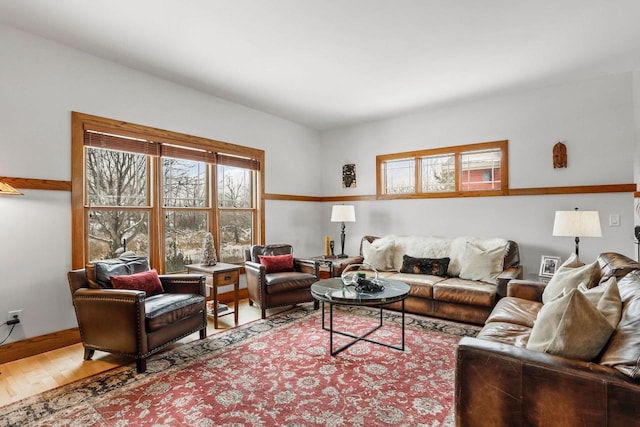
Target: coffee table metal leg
{"x":362,"y":337}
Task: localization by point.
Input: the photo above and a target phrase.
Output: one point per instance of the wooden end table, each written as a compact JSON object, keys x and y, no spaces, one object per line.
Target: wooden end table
{"x":222,"y":274}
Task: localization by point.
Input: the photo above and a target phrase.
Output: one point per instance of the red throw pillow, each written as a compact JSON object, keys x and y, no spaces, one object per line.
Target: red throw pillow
{"x":147,"y":281}
{"x":277,"y":263}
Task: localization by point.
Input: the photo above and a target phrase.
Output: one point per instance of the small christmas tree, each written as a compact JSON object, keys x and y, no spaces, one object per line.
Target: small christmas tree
{"x":208,"y":251}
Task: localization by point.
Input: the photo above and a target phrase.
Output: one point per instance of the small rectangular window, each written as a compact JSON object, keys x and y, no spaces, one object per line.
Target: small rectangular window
{"x":438,"y":173}
{"x":400,"y":176}
{"x":480,"y":170}
{"x":464,"y":170}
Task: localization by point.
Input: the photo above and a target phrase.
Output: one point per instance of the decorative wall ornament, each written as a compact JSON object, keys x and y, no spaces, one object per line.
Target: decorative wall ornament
{"x":208,"y":251}
{"x":559,"y":155}
{"x":349,"y":176}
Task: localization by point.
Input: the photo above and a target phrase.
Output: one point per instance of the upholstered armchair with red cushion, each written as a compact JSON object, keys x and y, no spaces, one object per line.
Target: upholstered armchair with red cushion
{"x":123,"y":307}
{"x":275,"y":278}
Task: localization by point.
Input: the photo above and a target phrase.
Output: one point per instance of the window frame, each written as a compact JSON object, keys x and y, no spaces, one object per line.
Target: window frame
{"x":457,"y":151}
{"x":80,"y":226}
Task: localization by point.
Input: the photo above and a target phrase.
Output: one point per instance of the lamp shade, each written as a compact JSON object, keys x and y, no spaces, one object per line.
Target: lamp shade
{"x":577,"y":224}
{"x":6,"y":189}
{"x":343,"y":213}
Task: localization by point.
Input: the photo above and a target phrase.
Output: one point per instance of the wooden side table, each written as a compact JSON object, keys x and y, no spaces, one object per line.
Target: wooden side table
{"x":222,"y":274}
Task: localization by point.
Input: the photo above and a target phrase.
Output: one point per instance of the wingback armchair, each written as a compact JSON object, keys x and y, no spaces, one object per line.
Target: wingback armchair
{"x":130,"y":322}
{"x":281,"y":288}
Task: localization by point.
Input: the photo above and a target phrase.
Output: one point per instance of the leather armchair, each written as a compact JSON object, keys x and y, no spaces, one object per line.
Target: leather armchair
{"x":128,"y":322}
{"x":270,"y":290}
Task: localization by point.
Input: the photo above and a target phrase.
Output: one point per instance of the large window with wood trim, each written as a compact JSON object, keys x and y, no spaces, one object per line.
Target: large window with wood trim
{"x":158,"y":193}
{"x":465,"y":170}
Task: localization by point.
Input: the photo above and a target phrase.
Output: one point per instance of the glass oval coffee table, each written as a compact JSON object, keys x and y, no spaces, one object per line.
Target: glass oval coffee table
{"x":333,"y":292}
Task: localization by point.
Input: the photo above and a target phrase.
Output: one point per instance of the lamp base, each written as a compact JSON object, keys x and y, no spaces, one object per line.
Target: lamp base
{"x":343,"y":256}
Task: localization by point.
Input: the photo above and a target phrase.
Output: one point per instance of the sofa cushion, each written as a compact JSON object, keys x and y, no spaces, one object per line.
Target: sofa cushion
{"x":570,"y":275}
{"x":166,"y":309}
{"x":99,"y":272}
{"x":419,"y":247}
{"x":483,"y":264}
{"x":431,"y":266}
{"x":463,"y":291}
{"x":515,"y":310}
{"x":277,"y":263}
{"x":572,"y":326}
{"x":378,"y":254}
{"x":147,"y":281}
{"x":284,"y":282}
{"x":459,"y":247}
{"x":506,"y":332}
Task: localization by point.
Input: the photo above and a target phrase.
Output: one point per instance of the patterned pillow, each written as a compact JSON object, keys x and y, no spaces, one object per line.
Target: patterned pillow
{"x":432,"y":266}
{"x":147,"y":281}
{"x":277,"y":263}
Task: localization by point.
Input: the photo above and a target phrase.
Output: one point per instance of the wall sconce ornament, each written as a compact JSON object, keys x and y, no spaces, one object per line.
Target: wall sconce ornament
{"x":559,"y":155}
{"x":349,"y":176}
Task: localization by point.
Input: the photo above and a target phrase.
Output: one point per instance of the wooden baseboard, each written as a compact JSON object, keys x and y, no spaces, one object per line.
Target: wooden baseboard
{"x":40,"y":344}
{"x":55,"y":340}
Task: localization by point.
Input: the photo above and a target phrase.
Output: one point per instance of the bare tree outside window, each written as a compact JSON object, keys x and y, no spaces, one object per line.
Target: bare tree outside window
{"x":117,"y":189}
{"x":116,"y":181}
{"x":235,"y":202}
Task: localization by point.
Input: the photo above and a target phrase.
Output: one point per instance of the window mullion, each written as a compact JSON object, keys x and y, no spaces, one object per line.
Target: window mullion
{"x":156,"y":222}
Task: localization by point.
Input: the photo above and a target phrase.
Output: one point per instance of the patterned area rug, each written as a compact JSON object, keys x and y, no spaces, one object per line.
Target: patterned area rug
{"x":273,"y":372}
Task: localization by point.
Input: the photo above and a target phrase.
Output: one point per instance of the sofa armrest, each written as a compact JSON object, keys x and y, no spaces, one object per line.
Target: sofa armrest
{"x":500,"y":384}
{"x":306,"y":266}
{"x":108,"y":317}
{"x":505,"y":277}
{"x":184,"y":284}
{"x":526,"y":289}
{"x":254,"y":268}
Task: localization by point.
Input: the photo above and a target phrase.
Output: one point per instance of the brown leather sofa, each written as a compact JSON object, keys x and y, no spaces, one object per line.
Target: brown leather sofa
{"x":451,"y":297}
{"x":128,"y":322}
{"x":499,"y":382}
{"x":270,"y":290}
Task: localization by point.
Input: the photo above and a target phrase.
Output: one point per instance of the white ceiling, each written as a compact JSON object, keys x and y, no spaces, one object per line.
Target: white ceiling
{"x":329,"y":63}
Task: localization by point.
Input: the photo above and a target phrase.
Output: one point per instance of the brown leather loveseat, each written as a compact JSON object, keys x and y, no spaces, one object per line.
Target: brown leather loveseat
{"x":501,"y":382}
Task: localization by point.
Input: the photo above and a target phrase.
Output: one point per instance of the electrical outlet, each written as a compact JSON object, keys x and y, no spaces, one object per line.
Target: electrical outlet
{"x":15,"y":314}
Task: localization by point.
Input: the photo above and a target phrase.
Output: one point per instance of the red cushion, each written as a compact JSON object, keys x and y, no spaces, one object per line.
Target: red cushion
{"x":147,"y":281}
{"x":277,"y":263}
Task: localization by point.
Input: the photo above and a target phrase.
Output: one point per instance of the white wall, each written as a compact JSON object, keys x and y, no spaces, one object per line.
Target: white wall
{"x":40,"y":84}
{"x":593,"y":118}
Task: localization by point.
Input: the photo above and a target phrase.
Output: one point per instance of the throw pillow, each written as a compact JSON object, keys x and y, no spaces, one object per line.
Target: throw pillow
{"x":572,"y":326}
{"x":482,"y":264}
{"x":147,"y":281}
{"x":100,"y":272}
{"x":570,"y":275}
{"x":378,"y":254}
{"x":606,"y":297}
{"x":432,"y":266}
{"x":277,"y":263}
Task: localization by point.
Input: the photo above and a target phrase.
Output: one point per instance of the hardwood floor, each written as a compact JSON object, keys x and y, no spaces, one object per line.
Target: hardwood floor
{"x":36,"y":374}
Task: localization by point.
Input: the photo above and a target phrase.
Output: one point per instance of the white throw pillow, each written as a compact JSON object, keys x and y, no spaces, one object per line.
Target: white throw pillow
{"x":482,"y":264}
{"x":378,"y":254}
{"x":570,"y":275}
{"x":572,"y":326}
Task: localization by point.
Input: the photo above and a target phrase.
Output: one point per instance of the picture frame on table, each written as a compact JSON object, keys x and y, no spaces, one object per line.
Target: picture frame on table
{"x":549,"y":265}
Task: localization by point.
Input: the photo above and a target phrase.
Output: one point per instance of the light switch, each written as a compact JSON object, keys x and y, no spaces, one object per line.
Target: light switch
{"x":614,"y":220}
